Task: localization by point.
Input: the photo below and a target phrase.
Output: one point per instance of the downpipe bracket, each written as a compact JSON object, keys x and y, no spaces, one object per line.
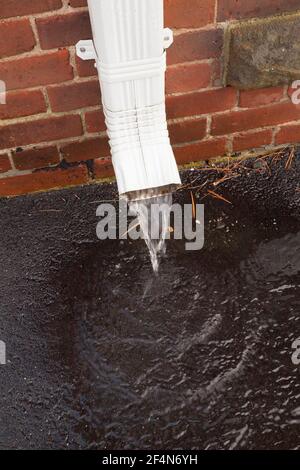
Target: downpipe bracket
{"x":85,"y":49}
{"x":168,"y":38}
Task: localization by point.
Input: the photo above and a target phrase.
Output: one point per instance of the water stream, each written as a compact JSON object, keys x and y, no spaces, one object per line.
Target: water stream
{"x":154,"y":218}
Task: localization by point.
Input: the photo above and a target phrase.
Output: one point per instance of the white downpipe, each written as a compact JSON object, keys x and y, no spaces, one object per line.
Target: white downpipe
{"x":129,"y":49}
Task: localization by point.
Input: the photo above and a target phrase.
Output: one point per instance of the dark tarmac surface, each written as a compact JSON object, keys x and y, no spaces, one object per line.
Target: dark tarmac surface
{"x":102,"y":354}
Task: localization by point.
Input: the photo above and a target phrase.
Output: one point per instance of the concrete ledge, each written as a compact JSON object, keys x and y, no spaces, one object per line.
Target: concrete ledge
{"x":263,"y":53}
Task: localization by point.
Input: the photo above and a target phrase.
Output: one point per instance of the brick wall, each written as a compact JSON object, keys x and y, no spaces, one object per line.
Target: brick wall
{"x":52,"y":131}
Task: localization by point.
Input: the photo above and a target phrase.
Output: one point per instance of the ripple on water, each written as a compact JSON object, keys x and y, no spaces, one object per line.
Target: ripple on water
{"x":199,"y":356}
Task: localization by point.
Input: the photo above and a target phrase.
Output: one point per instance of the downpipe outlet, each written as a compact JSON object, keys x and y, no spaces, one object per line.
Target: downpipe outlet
{"x":129,"y":47}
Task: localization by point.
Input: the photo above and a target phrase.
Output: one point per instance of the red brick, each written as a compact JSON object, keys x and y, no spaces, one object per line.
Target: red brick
{"x":4,"y":164}
{"x":188,"y":130}
{"x":86,"y":150}
{"x":43,"y":181}
{"x":85,"y":68}
{"x":203,"y":102}
{"x":103,"y":168}
{"x":261,"y":97}
{"x":196,"y":45}
{"x":239,"y":121}
{"x":189,"y":14}
{"x":288,"y":134}
{"x":9,"y":8}
{"x":248,"y":141}
{"x":74,"y":96}
{"x":37,"y":70}
{"x":238,"y":9}
{"x":16,"y":37}
{"x":22,"y":103}
{"x":188,"y":77}
{"x":78,"y":3}
{"x":200,"y":151}
{"x":217,"y":73}
{"x":36,"y":158}
{"x":63,"y":30}
{"x":95,"y":121}
{"x":40,"y":130}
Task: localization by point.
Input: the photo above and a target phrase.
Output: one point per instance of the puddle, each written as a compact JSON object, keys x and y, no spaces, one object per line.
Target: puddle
{"x":104,"y":354}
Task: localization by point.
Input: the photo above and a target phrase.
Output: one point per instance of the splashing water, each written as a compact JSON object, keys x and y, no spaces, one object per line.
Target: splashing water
{"x":153,"y":214}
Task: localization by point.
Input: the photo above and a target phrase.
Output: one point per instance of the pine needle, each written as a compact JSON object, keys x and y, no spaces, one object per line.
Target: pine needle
{"x":218,"y":196}
{"x":193,"y":205}
{"x":128,"y":231}
{"x":290,"y":159}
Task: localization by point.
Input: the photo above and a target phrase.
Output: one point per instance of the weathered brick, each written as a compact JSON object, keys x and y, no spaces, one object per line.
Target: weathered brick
{"x":288,"y":134}
{"x":22,"y":103}
{"x":238,"y":9}
{"x":86,"y":150}
{"x":32,"y":71}
{"x":200,"y":151}
{"x":249,"y":140}
{"x":16,"y":37}
{"x":74,"y":96}
{"x":103,"y":168}
{"x":40,"y":130}
{"x":187,"y":14}
{"x":43,"y":181}
{"x":85,"y":68}
{"x":203,"y":102}
{"x":36,"y":158}
{"x":63,"y":30}
{"x":188,"y":130}
{"x":196,"y":45}
{"x":260,"y":97}
{"x":238,"y":121}
{"x":4,"y":163}
{"x":10,"y":8}
{"x":188,"y":77}
{"x":95,"y":121}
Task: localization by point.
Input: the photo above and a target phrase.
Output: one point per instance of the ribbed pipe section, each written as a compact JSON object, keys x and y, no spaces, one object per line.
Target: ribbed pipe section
{"x":128,"y":38}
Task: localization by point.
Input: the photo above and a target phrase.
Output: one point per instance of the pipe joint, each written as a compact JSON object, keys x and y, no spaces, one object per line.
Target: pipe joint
{"x":133,"y":70}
